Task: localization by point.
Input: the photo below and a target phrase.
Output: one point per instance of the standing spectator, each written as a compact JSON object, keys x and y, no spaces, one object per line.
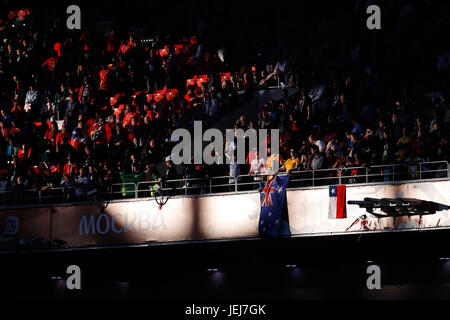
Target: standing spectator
{"x":31,"y":102}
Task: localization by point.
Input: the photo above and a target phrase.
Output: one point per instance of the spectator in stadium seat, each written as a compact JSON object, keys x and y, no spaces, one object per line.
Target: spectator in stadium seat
{"x":369,"y":148}
{"x":48,"y":109}
{"x":71,"y":108}
{"x":319,"y":143}
{"x":242,"y":122}
{"x":170,"y":174}
{"x":51,"y":135}
{"x":380,"y":129}
{"x":318,"y":160}
{"x":59,"y":99}
{"x":257,"y":167}
{"x":211,"y":106}
{"x":151,"y":152}
{"x":19,"y":189}
{"x":395,"y":129}
{"x":387,"y":147}
{"x":265,"y":121}
{"x":234,"y":170}
{"x":31,"y":102}
{"x":404,"y":144}
{"x":70,"y":168}
{"x":292,"y":163}
{"x":273,"y":162}
{"x":81,"y":182}
{"x":117,"y":143}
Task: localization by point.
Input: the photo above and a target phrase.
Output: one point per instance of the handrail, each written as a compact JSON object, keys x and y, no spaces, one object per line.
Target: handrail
{"x":221,"y":184}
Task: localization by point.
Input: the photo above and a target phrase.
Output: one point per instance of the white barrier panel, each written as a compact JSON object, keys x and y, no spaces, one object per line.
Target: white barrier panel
{"x":213,"y":217}
{"x":180,"y":219}
{"x":308,"y":209}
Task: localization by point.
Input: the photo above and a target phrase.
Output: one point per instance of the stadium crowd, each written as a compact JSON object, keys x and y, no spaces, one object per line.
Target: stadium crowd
{"x":76,"y":111}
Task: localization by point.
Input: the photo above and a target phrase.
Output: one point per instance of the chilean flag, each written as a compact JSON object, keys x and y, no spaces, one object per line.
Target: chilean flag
{"x":336,"y":207}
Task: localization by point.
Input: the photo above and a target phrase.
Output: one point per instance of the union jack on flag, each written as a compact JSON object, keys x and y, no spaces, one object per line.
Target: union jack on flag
{"x":273,"y":199}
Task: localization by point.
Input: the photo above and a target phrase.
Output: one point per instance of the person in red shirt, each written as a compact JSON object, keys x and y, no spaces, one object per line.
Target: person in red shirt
{"x":189,"y":97}
{"x":85,"y":90}
{"x":109,"y":39}
{"x":129,"y":114}
{"x":64,"y":134}
{"x":98,"y":136}
{"x":70,"y":168}
{"x":123,"y":48}
{"x":110,"y":128}
{"x":51,"y":135}
{"x":50,"y":64}
{"x":104,"y":77}
{"x":14,"y":130}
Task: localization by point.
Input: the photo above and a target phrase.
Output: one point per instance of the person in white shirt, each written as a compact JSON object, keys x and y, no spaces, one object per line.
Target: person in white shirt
{"x":319,"y":143}
{"x":257,"y":167}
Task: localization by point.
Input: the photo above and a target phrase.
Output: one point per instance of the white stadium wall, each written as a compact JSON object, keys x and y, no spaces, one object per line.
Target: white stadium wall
{"x":308,"y":209}
{"x":213,"y":217}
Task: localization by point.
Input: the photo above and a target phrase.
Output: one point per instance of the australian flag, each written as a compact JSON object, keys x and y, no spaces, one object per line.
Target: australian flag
{"x":273,"y":219}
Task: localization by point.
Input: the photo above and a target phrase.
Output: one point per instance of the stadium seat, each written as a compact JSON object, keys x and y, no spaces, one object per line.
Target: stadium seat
{"x":159,"y":96}
{"x":202,"y":79}
{"x":226,"y":76}
{"x":190,"y":82}
{"x":118,"y":112}
{"x":149,"y":97}
{"x":171,"y":94}
{"x":179,"y":49}
{"x":163,"y":52}
{"x":22,"y":13}
{"x":113,"y":100}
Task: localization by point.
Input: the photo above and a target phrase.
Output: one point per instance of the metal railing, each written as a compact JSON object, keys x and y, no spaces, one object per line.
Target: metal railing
{"x":225,"y":184}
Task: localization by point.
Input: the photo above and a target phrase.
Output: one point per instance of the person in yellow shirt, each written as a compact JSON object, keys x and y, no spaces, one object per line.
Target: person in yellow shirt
{"x":274,"y":162}
{"x":292,"y":163}
{"x":404,"y":144}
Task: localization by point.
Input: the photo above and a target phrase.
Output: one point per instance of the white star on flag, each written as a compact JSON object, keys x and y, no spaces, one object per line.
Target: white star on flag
{"x":280,"y":189}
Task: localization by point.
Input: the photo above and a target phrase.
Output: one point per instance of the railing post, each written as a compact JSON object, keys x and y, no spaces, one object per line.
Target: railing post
{"x":39,"y":196}
{"x":448,"y":170}
{"x":312,"y":178}
{"x":135,"y":191}
{"x":420,"y":170}
{"x":185,"y":187}
{"x":340,"y":175}
{"x":367,"y":177}
{"x":393,"y":172}
{"x":210,"y":185}
{"x":235,"y":184}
